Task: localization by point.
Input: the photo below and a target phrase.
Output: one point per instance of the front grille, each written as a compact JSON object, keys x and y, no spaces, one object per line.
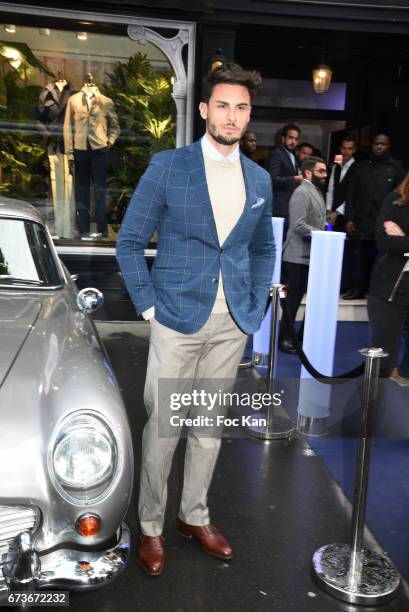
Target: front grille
{"x":15,"y":520}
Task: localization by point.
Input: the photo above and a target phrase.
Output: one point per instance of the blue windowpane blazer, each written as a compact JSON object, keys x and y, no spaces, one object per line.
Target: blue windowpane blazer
{"x":172,"y":198}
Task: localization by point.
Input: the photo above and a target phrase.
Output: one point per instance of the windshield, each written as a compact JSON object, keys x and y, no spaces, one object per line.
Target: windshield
{"x":25,"y":255}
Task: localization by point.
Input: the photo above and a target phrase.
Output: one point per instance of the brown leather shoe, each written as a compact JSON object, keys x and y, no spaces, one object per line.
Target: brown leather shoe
{"x":209,"y":537}
{"x":150,"y":554}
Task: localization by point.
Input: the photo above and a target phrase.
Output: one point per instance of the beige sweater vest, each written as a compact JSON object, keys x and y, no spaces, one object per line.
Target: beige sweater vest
{"x":227,"y":193}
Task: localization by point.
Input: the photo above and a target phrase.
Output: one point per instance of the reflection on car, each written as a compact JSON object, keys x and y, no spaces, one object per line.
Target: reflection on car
{"x":66,"y":463}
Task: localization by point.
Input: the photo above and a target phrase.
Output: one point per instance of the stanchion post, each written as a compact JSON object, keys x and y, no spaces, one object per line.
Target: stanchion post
{"x":277,"y":427}
{"x":354,"y":573}
{"x":275,"y":291}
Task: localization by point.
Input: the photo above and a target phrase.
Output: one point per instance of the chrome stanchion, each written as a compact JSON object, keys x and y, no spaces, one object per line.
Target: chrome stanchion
{"x":276,"y":426}
{"x":353,"y":572}
{"x":246,"y":362}
{"x":312,"y":426}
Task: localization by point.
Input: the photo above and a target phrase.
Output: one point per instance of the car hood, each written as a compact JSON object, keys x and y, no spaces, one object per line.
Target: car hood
{"x":18,"y":314}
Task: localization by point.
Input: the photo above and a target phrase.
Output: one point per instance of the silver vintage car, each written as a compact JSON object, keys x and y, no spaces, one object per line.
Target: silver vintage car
{"x":66,"y":463}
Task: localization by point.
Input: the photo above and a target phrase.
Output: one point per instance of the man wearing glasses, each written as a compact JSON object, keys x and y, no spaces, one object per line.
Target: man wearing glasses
{"x":307,"y":213}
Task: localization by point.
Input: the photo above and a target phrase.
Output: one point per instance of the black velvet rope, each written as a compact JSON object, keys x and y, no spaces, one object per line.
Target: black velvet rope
{"x":328,"y":380}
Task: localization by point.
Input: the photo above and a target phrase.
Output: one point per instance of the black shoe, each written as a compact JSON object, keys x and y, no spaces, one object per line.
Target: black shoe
{"x":354,"y":295}
{"x":287,"y":347}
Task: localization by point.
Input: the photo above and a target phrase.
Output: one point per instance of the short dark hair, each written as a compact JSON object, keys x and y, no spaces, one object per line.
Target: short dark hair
{"x":288,"y":127}
{"x":381,"y":134}
{"x":306,"y":144}
{"x":349,"y":138}
{"x":230,"y":74}
{"x":311,"y":162}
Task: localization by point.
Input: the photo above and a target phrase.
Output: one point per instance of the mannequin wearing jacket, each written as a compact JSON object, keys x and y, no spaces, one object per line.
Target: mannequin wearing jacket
{"x":51,"y":108}
{"x":91,"y":127}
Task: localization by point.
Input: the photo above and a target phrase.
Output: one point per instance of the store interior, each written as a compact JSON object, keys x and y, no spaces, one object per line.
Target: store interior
{"x":123,"y":101}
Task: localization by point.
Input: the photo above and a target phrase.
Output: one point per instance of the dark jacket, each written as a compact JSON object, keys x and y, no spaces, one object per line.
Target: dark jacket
{"x":282,"y":171}
{"x":390,"y":259}
{"x":373,"y":179}
{"x":51,"y":108}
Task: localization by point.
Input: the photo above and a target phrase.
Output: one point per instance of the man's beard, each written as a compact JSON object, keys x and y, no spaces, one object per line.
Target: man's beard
{"x":223,"y":140}
{"x":318,"y":183}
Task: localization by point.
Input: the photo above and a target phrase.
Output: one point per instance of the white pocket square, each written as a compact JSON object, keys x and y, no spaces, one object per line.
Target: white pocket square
{"x":259,"y":202}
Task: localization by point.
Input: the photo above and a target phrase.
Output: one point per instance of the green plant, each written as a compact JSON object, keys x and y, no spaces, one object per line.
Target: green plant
{"x":21,"y":99}
{"x":146,"y":114}
{"x":22,"y":163}
{"x":22,"y":154}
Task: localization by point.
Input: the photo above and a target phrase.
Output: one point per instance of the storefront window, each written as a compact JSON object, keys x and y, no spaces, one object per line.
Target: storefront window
{"x":80,"y":115}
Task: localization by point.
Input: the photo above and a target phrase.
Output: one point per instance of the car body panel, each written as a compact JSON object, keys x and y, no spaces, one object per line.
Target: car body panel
{"x":20,"y":210}
{"x":52,"y":365}
{"x":17,"y":315}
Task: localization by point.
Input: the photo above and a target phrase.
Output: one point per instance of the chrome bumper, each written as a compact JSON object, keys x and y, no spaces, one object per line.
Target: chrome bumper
{"x":69,"y":570}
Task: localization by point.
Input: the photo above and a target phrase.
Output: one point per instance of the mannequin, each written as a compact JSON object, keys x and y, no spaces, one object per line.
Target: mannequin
{"x":51,"y":108}
{"x":91,"y":128}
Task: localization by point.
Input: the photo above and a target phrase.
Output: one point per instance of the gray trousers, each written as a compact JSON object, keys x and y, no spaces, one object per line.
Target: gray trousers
{"x":214,"y":352}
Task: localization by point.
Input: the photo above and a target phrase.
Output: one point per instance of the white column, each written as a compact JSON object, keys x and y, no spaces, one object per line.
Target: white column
{"x":179,"y":96}
{"x":321,"y":317}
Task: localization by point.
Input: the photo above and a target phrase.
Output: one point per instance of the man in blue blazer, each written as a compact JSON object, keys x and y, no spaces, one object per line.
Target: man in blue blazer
{"x":211,"y":207}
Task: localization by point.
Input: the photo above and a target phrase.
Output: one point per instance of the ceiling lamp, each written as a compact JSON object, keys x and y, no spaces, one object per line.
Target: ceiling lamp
{"x":216,"y":61}
{"x":82,"y":35}
{"x":321,"y":78}
{"x":10,"y":28}
{"x":13,"y":56}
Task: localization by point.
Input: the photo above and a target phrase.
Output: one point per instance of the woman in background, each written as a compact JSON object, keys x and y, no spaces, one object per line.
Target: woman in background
{"x":388,"y":297}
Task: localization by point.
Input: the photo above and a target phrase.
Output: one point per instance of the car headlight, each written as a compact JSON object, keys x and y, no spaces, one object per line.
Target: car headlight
{"x":84,"y":457}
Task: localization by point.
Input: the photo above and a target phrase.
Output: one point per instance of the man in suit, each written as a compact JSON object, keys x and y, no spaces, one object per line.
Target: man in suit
{"x":340,"y":180}
{"x":303,"y":150}
{"x":284,"y":170}
{"x":208,"y":288}
{"x":248,"y":144}
{"x":307,"y":213}
{"x":373,"y":179}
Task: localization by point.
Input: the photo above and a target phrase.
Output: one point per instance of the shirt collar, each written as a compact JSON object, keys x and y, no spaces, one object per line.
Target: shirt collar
{"x":349,"y":163}
{"x":313,"y":186}
{"x":291,"y":156}
{"x":210,"y":150}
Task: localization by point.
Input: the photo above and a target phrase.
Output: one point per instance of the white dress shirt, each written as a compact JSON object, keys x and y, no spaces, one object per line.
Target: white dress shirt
{"x":330,"y":193}
{"x":210,"y":150}
{"x":292,"y":157}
